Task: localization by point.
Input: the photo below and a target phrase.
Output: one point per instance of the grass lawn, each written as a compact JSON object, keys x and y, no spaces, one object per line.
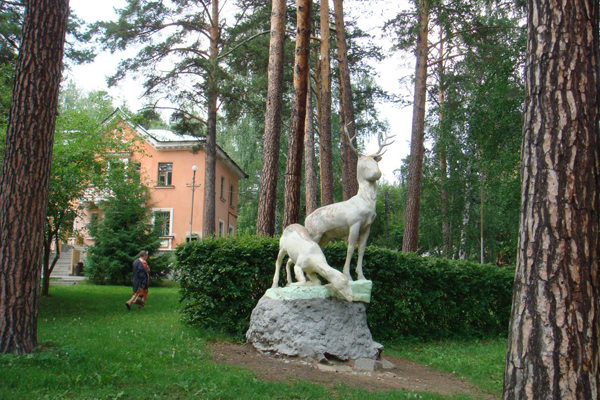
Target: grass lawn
{"x":91,"y":347}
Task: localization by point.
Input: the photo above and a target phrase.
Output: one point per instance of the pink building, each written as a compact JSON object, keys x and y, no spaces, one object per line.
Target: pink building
{"x":166,"y":162}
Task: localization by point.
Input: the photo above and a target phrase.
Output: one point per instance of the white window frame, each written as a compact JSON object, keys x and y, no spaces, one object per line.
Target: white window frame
{"x":164,"y":210}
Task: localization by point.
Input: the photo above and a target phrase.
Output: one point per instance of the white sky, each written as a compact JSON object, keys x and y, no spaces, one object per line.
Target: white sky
{"x":372,"y":15}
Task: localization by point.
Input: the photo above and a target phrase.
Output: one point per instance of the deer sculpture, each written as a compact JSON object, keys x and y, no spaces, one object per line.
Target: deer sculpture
{"x":308,"y":258}
{"x":353,"y":217}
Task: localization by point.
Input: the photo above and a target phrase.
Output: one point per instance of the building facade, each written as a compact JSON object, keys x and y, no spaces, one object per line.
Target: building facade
{"x":166,"y":162}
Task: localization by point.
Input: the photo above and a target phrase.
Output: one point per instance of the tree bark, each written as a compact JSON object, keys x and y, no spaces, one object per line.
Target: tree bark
{"x":211,"y":126}
{"x":293,"y":170}
{"x":553,"y":339}
{"x":325,"y":145}
{"x":413,"y":196}
{"x":26,"y":171}
{"x":351,"y":159}
{"x":442,"y":155}
{"x":265,"y":224}
{"x":310,"y":169}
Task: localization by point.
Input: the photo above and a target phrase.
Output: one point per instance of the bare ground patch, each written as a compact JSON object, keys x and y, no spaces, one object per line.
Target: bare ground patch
{"x":407,"y":374}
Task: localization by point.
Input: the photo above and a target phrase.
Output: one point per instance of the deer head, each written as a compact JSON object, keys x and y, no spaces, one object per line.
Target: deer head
{"x":367,"y":167}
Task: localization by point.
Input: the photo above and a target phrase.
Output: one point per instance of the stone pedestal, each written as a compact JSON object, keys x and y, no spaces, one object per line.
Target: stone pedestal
{"x":312,"y":322}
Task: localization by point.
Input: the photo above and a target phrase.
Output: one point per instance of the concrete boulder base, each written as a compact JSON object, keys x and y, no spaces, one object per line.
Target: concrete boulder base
{"x":313,"y":323}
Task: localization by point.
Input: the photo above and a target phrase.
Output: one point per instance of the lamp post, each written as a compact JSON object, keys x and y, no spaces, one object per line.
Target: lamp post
{"x":193,"y":186}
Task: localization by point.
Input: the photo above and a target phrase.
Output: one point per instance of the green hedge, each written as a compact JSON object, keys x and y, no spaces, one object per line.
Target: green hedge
{"x":222,"y":279}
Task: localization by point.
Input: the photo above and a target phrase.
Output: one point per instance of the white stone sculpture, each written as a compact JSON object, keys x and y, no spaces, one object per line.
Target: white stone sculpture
{"x":353,"y":217}
{"x":308,"y":259}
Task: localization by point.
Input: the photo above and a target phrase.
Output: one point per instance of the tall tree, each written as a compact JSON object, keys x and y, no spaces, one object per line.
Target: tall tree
{"x":26,"y":170}
{"x":211,"y":122}
{"x":325,"y":144}
{"x":553,"y":337}
{"x":265,"y":223}
{"x":411,"y":219}
{"x":293,"y":170}
{"x":347,"y":107}
{"x":310,"y":168}
{"x":184,"y":39}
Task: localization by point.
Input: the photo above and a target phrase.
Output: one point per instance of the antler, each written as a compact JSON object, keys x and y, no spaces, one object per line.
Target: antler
{"x":378,"y":154}
{"x":350,"y":139}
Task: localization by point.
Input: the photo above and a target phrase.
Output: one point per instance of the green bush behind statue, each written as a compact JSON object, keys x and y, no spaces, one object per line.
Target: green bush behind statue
{"x":222,"y":280}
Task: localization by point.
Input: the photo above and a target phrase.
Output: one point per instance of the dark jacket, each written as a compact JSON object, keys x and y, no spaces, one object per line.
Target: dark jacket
{"x":140,"y":275}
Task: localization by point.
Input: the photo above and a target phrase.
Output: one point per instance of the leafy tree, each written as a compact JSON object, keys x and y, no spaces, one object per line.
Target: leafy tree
{"x":26,"y":170}
{"x":79,"y":160}
{"x":125,"y":228}
{"x":187,"y":37}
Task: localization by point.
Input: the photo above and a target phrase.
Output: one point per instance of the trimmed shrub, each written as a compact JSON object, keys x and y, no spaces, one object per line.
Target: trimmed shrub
{"x":222,"y":279}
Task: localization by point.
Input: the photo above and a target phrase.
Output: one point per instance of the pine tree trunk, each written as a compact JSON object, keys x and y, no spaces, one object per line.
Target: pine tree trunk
{"x":553,"y":338}
{"x":351,"y":159}
{"x":325,"y":144}
{"x":442,"y":156}
{"x":310,"y":169}
{"x":413,"y":197}
{"x":293,"y":170}
{"x":344,"y":156}
{"x":265,"y":223}
{"x":211,"y":127}
{"x":26,"y":171}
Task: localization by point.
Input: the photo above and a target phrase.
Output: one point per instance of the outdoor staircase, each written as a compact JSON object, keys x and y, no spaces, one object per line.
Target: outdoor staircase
{"x":61,"y":275}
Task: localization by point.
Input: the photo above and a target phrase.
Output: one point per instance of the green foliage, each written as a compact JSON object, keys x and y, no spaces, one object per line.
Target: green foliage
{"x":125,"y":229}
{"x":222,"y":279}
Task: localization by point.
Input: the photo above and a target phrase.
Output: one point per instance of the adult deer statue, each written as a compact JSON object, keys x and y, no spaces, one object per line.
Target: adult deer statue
{"x":353,"y":217}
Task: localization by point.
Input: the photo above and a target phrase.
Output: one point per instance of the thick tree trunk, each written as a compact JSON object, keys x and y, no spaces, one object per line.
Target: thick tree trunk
{"x":310,"y":168}
{"x":351,"y":158}
{"x":265,"y":223}
{"x":26,"y":171}
{"x":293,"y":170}
{"x":413,"y":197}
{"x":211,"y":126}
{"x":553,"y":338}
{"x":325,"y":145}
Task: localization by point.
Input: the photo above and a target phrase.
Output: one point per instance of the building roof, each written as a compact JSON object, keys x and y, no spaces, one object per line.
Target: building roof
{"x":166,"y":140}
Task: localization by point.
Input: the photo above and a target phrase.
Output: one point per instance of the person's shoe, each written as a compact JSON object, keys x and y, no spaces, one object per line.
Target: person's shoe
{"x":128,"y":306}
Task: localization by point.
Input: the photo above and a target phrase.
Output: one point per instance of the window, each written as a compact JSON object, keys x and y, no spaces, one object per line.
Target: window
{"x":165,"y":174}
{"x":223,"y":188}
{"x":193,"y":238}
{"x":94,"y":217}
{"x":231,"y":195}
{"x":137,"y":170}
{"x":162,"y":221}
{"x":221,"y":227}
{"x":231,"y":230}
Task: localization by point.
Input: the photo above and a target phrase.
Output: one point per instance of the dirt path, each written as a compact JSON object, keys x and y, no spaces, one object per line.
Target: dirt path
{"x":407,"y":375}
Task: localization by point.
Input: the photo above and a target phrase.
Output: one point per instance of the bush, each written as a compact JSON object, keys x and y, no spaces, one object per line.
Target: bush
{"x":222,"y":279}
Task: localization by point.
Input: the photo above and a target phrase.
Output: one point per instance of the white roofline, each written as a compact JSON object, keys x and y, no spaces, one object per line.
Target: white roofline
{"x":170,"y":145}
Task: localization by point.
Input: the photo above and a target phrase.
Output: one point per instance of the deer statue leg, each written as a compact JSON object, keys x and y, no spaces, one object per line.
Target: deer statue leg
{"x":362,"y":243}
{"x":352,"y":237}
{"x":280,"y":256}
{"x":288,"y":271}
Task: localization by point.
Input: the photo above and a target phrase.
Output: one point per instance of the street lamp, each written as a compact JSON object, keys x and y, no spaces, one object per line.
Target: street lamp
{"x":193,"y":186}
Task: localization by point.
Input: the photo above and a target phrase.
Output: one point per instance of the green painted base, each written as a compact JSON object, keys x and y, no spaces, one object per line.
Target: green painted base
{"x":361,"y":290}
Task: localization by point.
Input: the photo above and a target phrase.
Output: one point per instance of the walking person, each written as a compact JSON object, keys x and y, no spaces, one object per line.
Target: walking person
{"x":141,"y":279}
